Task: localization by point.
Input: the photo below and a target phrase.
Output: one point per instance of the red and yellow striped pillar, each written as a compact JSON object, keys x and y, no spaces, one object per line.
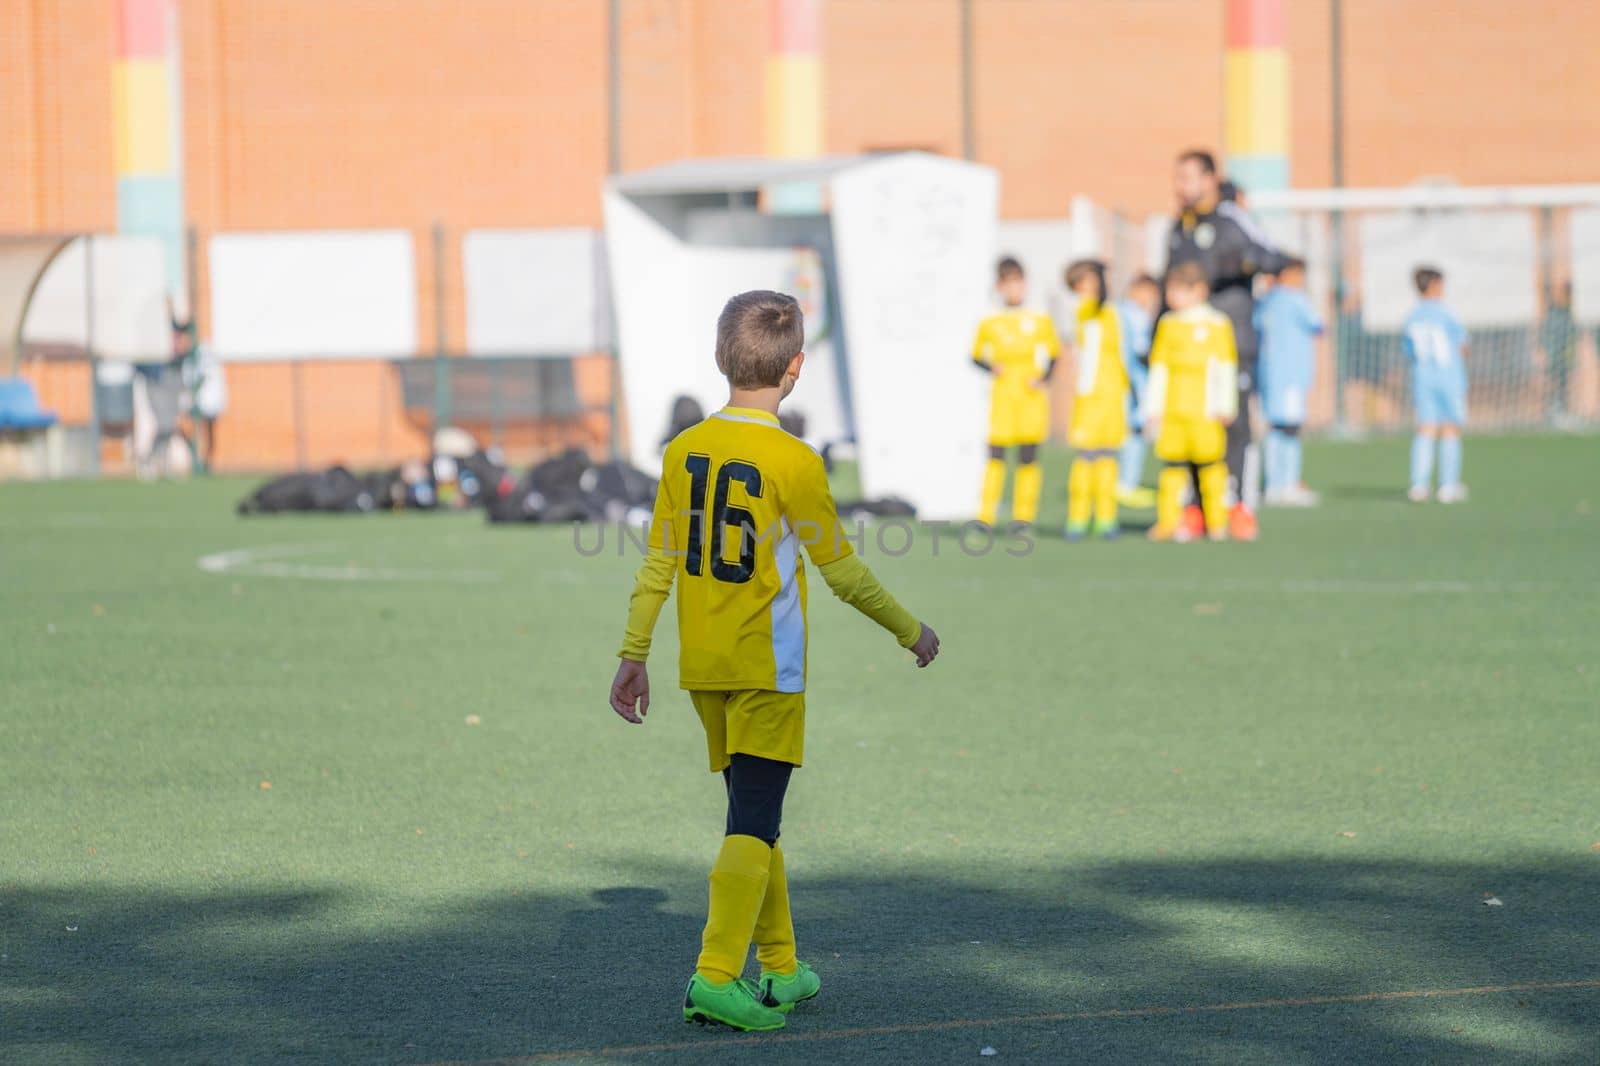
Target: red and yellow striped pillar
{"x":794,"y":78}
{"x":1256,"y":94}
{"x":145,"y":137}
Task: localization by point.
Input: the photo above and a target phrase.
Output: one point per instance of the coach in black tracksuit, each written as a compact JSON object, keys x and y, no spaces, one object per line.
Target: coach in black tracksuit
{"x":1232,"y":250}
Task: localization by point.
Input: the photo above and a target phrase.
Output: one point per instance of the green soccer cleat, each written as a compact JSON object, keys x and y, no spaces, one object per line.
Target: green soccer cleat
{"x":736,"y":1004}
{"x":1107,"y":530}
{"x":782,"y":991}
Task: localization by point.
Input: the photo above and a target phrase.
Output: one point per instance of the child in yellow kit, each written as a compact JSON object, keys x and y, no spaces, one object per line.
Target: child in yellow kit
{"x":1191,"y":398}
{"x":738,"y":498}
{"x":1019,"y":347}
{"x":1099,"y":406}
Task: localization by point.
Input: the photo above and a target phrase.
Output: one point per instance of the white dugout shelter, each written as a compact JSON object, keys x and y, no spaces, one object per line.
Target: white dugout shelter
{"x":890,"y":259}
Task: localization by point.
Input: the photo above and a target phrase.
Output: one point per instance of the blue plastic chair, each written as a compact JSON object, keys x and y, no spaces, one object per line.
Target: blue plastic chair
{"x":19,"y":407}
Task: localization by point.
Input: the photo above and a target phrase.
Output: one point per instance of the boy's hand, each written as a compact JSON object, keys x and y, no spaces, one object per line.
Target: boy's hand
{"x":1226,"y":420}
{"x":631,"y":686}
{"x":926,"y":649}
{"x":1152,"y":429}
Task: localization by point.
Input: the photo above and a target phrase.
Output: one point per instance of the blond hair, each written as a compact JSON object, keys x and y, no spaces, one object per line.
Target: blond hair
{"x":758,"y":334}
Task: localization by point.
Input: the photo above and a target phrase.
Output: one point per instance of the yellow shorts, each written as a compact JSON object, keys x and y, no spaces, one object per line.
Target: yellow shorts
{"x":1191,"y":440}
{"x":1018,"y":414}
{"x":1098,"y":427}
{"x":752,"y":722}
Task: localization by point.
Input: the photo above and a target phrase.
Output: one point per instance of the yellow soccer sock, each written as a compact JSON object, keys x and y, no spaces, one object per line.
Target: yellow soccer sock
{"x":1079,"y":501}
{"x":1213,"y":496}
{"x":738,"y":883}
{"x":1030,"y":481}
{"x":1169,"y":497}
{"x":994,"y":483}
{"x":1105,"y":491}
{"x":774,"y":933}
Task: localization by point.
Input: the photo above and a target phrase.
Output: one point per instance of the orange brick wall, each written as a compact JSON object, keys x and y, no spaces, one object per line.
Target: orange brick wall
{"x":306,"y":113}
{"x":56,"y":170}
{"x":408,"y":113}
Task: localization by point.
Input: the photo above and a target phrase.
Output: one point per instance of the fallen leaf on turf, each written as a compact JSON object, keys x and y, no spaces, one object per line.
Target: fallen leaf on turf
{"x":1347,"y":834}
{"x":1208,"y":608}
{"x":266,"y":786}
{"x":1493,"y":901}
{"x":419,"y":831}
{"x":1595,"y":846}
{"x":473,"y":719}
{"x":99,"y":611}
{"x":1455,"y":1028}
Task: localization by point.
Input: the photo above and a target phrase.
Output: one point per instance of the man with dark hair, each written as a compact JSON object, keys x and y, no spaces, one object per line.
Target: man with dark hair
{"x":1231,"y":250}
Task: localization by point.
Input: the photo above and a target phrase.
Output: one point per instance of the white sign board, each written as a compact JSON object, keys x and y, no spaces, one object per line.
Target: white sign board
{"x":334,"y":294}
{"x":1586,"y":264}
{"x":914,"y":236}
{"x":1489,"y":259}
{"x":534,"y":291}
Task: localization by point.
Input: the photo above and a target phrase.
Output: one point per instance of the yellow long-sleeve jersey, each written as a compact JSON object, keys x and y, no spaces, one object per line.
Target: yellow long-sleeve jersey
{"x":1100,"y":401}
{"x":738,"y":498}
{"x":1194,"y":366}
{"x":1017,"y":342}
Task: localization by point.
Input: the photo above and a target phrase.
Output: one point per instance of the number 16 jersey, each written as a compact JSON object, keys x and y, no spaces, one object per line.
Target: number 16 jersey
{"x":739,"y":498}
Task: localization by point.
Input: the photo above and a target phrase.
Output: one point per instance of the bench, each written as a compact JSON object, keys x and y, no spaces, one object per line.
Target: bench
{"x":23,"y":424}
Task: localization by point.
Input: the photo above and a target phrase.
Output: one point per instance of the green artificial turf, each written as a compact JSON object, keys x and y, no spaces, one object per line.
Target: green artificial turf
{"x":1139,"y":776}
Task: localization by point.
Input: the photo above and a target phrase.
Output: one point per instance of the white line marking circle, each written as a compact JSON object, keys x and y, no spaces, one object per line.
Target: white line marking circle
{"x":272,"y":562}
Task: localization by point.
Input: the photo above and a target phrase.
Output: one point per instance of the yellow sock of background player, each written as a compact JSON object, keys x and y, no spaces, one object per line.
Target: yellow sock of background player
{"x":1025,"y":492}
{"x":994,"y":483}
{"x":1080,"y":500}
{"x":1214,"y":497}
{"x":1169,"y":498}
{"x":738,"y":885}
{"x":774,"y":933}
{"x":1105,"y":493}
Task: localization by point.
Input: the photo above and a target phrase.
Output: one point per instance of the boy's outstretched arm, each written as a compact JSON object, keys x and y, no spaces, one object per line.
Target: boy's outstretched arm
{"x":630,"y":688}
{"x":811,"y":508}
{"x":855,"y":584}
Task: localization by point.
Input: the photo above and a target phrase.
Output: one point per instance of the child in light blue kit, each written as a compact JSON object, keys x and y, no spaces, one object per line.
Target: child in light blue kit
{"x":1288,"y":327}
{"x":1137,"y":310}
{"x":1435,"y":342}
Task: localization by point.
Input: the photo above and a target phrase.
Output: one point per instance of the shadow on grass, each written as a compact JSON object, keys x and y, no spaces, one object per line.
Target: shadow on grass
{"x":315,"y":976}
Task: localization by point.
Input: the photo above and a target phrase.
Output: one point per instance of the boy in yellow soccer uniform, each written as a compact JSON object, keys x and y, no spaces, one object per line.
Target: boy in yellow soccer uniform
{"x":739,"y":497}
{"x":1191,"y":398}
{"x":1019,"y":347}
{"x":1099,"y":406}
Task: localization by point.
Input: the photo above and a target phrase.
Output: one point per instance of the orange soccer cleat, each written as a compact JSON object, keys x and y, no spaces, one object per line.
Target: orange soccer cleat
{"x":1193,"y":523}
{"x":1242,"y":523}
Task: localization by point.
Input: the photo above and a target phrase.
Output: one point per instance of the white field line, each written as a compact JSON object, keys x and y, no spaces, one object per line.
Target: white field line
{"x":271,"y":562}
